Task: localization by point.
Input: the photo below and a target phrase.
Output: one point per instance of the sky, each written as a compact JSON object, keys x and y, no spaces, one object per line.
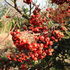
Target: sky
{"x":20,"y":2}
{"x":41,"y":2}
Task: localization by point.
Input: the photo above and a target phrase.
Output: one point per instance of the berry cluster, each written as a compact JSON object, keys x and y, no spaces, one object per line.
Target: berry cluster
{"x":59,"y":1}
{"x":42,"y":42}
{"x":42,"y":45}
{"x":57,"y":35}
{"x":28,"y":1}
{"x":37,"y":19}
{"x":39,"y":29}
{"x":20,"y":57}
{"x":60,"y":14}
{"x":35,"y":50}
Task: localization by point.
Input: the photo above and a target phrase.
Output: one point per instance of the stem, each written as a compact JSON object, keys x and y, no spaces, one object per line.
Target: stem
{"x":30,"y":9}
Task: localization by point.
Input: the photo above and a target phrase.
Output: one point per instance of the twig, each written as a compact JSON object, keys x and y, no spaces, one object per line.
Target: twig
{"x":9,"y":4}
{"x":30,"y":9}
{"x":15,"y":7}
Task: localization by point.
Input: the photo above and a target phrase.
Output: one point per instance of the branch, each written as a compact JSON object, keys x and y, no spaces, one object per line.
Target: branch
{"x":9,"y":4}
{"x":16,"y":8}
{"x":30,"y":9}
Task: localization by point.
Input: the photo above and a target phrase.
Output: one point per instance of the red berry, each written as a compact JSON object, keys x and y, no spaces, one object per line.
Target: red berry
{"x":51,"y":43}
{"x":28,"y":1}
{"x":41,"y":38}
{"x":7,"y":16}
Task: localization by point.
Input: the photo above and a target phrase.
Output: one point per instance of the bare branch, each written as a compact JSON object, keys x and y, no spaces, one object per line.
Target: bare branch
{"x":15,"y":7}
{"x":9,"y":4}
{"x":30,"y":9}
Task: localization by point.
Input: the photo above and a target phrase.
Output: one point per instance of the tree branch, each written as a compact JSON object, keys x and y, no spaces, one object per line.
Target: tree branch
{"x":30,"y":9}
{"x":9,"y":3}
{"x":16,"y":8}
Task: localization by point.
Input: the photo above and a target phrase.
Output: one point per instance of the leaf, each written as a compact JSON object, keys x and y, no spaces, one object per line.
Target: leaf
{"x":25,"y":10}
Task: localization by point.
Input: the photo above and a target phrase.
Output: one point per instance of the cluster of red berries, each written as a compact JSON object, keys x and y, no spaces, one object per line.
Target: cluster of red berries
{"x":39,"y":29}
{"x":36,"y":10}
{"x":37,"y":19}
{"x":28,"y":1}
{"x":59,"y":1}
{"x":35,"y":50}
{"x":42,"y":46}
{"x":19,"y":57}
{"x":60,"y":14}
{"x":57,"y":35}
{"x":44,"y":39}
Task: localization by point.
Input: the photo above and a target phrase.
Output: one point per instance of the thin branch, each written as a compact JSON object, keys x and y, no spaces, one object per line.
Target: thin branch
{"x":9,"y":4}
{"x":30,"y":9}
{"x":15,"y":7}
